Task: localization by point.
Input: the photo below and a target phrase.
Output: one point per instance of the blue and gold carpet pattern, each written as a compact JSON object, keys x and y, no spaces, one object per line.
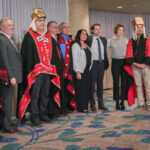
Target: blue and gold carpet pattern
{"x":101,"y":130}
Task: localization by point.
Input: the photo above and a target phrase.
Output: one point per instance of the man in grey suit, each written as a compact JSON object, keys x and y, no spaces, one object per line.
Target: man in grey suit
{"x":10,"y":71}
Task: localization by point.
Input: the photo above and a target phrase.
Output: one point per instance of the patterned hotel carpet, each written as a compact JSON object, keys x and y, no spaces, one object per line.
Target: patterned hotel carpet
{"x":109,"y":130}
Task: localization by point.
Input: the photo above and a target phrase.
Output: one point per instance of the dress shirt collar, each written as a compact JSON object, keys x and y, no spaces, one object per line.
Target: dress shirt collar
{"x":6,"y":35}
{"x":65,"y":38}
{"x":95,"y":36}
{"x":55,"y":37}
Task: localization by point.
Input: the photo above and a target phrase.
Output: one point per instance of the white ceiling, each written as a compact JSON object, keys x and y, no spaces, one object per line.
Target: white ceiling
{"x":129,"y":6}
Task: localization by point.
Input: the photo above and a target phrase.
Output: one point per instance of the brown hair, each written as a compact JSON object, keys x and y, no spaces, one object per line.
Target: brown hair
{"x":93,"y":26}
{"x":117,"y":26}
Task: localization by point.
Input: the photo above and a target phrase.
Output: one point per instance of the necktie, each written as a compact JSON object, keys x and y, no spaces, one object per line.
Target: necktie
{"x":12,"y":40}
{"x":99,"y":50}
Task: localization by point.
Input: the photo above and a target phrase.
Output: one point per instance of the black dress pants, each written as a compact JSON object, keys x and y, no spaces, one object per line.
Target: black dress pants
{"x":83,"y":88}
{"x":117,"y":73}
{"x":39,"y":93}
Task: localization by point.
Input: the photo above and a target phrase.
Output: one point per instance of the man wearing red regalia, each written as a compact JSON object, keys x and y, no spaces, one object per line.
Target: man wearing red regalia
{"x":39,"y":70}
{"x":65,"y":41}
{"x":138,"y":65}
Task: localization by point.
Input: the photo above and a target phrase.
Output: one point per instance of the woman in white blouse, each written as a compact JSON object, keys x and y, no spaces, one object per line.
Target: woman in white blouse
{"x":118,"y":45}
{"x":81,"y":66}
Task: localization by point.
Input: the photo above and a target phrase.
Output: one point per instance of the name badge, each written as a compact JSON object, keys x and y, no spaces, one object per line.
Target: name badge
{"x":46,"y":40}
{"x":39,"y":38}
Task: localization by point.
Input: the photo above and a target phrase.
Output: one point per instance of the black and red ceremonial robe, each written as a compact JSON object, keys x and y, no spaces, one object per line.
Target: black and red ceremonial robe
{"x":129,"y":61}
{"x":37,"y":57}
{"x":68,"y":69}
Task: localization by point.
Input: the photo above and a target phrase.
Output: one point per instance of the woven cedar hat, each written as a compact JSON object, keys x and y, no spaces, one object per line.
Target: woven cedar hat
{"x":38,"y":13}
{"x":137,"y":21}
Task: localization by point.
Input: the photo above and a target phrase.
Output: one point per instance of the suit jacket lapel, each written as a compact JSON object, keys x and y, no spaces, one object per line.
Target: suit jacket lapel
{"x":90,"y":40}
{"x":8,"y":40}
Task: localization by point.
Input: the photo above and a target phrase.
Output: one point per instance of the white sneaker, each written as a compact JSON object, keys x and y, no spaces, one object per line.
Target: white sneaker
{"x":147,"y":107}
{"x":140,"y":107}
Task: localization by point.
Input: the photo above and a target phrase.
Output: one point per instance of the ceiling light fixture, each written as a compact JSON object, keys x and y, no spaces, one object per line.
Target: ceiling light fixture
{"x":119,"y":7}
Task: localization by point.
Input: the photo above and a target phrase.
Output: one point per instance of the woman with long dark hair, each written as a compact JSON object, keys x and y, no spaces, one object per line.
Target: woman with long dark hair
{"x":81,"y":66}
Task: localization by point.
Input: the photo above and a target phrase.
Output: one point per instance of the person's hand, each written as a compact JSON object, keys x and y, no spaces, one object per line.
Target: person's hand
{"x":13,"y":81}
{"x":143,"y":66}
{"x":136,"y":65}
{"x":78,"y":75}
{"x":140,"y":66}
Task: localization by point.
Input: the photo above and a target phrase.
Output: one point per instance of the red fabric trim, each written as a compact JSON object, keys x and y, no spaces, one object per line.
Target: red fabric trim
{"x":128,"y":68}
{"x":2,"y":99}
{"x":129,"y":52}
{"x":71,"y":89}
{"x":132,"y":90}
{"x":57,"y":98}
{"x":58,"y":52}
{"x":147,"y":52}
{"x":67,"y":76}
{"x":2,"y":107}
{"x":132,"y":94}
{"x":3,"y":73}
{"x":44,"y":47}
{"x":73,"y":104}
{"x":4,"y":79}
{"x":39,"y":68}
{"x":67,"y":56}
{"x":56,"y":81}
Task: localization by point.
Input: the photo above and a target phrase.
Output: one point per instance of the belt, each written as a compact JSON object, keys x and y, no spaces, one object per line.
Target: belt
{"x":97,"y":61}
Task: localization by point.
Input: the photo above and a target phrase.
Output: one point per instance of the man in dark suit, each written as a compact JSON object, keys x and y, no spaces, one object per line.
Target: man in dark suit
{"x":53,"y":28}
{"x":98,"y":47}
{"x":10,"y":71}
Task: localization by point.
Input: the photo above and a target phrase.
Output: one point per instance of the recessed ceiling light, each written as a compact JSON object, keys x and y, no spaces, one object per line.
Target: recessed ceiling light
{"x":119,"y":7}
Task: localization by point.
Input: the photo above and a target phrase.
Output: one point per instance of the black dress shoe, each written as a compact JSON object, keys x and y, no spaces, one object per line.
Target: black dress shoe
{"x":122,"y":106}
{"x":64,"y":113}
{"x":12,"y":130}
{"x":117,"y":105}
{"x":102,"y":107}
{"x":1,"y":137}
{"x":67,"y":110}
{"x":83,"y":111}
{"x":53,"y":116}
{"x":36,"y":122}
{"x":45,"y":118}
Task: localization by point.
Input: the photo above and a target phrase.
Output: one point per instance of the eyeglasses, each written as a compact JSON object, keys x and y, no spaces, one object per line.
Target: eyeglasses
{"x":66,"y":27}
{"x":55,"y":27}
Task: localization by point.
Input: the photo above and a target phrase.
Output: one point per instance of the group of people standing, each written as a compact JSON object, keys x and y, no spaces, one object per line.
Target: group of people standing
{"x":56,"y":74}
